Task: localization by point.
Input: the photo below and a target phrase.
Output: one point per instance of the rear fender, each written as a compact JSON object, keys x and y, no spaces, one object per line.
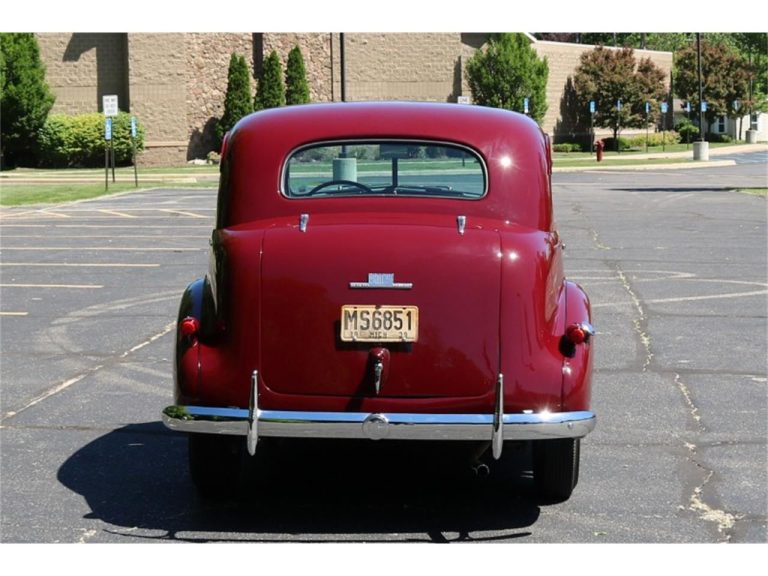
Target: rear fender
{"x":577,"y":362}
{"x":196,"y":303}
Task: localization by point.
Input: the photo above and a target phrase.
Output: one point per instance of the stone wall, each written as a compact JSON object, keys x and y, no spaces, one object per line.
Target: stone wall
{"x":318,"y":51}
{"x":207,"y":66}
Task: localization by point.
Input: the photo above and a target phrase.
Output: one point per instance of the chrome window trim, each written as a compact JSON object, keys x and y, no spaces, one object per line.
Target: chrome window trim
{"x":373,"y":140}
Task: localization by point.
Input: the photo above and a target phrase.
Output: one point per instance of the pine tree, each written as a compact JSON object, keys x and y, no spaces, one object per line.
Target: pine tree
{"x":237,"y":102}
{"x":296,"y":87}
{"x":25,"y":98}
{"x":270,"y":92}
{"x":508,"y":72}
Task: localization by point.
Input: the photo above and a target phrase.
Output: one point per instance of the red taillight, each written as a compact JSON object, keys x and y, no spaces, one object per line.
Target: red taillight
{"x":579,"y":333}
{"x":189,"y":327}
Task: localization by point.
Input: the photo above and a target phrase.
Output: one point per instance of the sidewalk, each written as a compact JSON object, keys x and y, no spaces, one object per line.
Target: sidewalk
{"x":153,"y":179}
{"x":685,"y":158}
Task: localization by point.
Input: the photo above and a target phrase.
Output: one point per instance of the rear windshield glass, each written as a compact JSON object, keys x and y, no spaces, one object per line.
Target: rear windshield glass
{"x":384,"y":168}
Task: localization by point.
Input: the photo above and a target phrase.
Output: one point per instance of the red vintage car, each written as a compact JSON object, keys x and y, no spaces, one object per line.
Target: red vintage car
{"x":385,"y":271}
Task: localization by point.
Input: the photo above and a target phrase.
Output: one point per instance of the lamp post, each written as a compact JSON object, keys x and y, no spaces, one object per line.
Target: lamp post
{"x":700,"y":148}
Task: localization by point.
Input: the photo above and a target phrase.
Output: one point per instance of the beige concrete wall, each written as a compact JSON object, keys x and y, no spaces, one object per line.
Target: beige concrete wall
{"x":563,"y":59}
{"x":157,"y":73}
{"x":83,"y":67}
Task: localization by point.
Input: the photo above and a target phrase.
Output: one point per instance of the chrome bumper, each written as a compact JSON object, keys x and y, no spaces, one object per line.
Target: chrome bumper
{"x":255,"y":423}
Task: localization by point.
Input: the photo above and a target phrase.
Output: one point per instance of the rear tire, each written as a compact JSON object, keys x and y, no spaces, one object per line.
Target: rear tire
{"x":215,"y":463}
{"x":556,"y":468}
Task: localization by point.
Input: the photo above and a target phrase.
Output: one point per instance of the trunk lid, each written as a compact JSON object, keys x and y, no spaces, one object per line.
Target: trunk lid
{"x":450,"y":280}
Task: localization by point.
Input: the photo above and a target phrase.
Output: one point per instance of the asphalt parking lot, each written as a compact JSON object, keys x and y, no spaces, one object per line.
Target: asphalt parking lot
{"x":674,"y":262}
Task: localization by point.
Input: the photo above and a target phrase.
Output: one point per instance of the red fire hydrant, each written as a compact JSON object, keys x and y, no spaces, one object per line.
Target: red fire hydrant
{"x":599,"y":147}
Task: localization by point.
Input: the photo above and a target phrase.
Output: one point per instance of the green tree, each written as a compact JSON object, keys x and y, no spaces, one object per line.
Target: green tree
{"x":296,"y":86}
{"x":237,"y":101}
{"x":619,"y":86}
{"x":725,"y":78}
{"x":270,"y":92}
{"x":506,"y":73}
{"x":25,"y":98}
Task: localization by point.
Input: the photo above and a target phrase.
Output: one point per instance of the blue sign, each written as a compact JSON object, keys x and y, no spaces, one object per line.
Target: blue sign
{"x":664,"y":108}
{"x":703,"y":106}
{"x":133,"y":127}
{"x":618,"y":105}
{"x":108,"y":128}
{"x":647,"y":107}
{"x":592,"y":107}
{"x":688,"y":107}
{"x":525,"y":105}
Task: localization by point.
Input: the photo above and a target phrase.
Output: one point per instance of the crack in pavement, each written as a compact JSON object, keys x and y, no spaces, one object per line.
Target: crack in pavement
{"x":723,"y":520}
{"x":641,"y":319}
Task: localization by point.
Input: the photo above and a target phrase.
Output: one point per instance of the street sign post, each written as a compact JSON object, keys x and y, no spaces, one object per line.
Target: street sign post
{"x":592,"y":110}
{"x":109,"y":104}
{"x":133,"y":151}
{"x":647,"y":113}
{"x":107,"y":142}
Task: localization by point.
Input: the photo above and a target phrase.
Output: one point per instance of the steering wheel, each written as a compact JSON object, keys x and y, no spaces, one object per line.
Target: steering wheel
{"x":349,"y":183}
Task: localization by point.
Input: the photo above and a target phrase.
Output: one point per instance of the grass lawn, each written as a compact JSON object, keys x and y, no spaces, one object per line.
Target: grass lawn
{"x":754,"y":191}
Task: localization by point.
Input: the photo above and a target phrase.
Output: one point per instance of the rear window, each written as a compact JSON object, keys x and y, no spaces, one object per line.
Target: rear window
{"x":384,"y":168}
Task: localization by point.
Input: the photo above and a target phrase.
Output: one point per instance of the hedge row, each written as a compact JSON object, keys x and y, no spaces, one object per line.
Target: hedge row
{"x":78,"y":141}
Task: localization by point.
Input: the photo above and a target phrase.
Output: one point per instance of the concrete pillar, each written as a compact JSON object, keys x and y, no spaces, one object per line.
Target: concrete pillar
{"x":701,"y":150}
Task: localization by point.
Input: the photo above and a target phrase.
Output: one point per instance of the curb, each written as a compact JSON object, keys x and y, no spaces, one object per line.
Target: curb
{"x":641,"y":167}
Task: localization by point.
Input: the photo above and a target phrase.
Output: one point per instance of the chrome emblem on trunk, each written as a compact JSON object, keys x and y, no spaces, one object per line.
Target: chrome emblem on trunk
{"x":382,"y":280}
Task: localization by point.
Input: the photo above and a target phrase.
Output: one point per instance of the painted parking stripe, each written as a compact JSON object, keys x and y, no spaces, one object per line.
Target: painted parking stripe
{"x":96,"y":249}
{"x":116,"y":213}
{"x":72,"y":286}
{"x":182,"y":213}
{"x":79,"y":265}
{"x":14,"y":313}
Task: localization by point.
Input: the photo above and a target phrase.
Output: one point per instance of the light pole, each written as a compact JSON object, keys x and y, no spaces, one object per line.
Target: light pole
{"x":700,"y":148}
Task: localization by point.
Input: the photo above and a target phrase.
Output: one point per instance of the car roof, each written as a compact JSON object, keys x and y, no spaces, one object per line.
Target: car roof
{"x":512,"y":146}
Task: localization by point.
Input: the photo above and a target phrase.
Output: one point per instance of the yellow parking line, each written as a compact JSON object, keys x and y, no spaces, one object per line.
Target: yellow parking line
{"x":116,"y":213}
{"x":190,"y":214}
{"x":14,"y":313}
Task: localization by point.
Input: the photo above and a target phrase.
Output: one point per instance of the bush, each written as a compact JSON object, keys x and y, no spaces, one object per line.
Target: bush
{"x":78,"y":141}
{"x":654,"y":139}
{"x":296,"y":87}
{"x":610,"y":144}
{"x":25,"y":98}
{"x":724,"y":138}
{"x":270,"y":91}
{"x":237,"y":101}
{"x":687,"y":130}
{"x":566,"y":147}
{"x":508,"y":72}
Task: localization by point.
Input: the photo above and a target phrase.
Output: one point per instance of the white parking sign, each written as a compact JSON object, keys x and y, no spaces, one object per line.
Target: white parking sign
{"x":109,"y":103}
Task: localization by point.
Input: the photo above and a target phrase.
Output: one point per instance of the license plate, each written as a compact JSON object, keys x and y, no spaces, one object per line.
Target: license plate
{"x":379,"y":323}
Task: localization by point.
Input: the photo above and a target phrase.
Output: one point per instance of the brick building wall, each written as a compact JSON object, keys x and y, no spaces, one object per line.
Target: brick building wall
{"x":175,"y":83}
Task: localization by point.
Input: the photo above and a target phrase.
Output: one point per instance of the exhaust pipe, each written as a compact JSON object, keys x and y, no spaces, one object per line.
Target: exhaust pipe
{"x":480,"y":470}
